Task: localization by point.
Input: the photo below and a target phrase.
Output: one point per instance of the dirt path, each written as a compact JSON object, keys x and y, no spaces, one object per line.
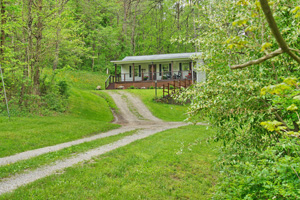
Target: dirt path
{"x":132,"y":110}
{"x":10,"y":184}
{"x":36,"y":152}
{"x":133,"y":114}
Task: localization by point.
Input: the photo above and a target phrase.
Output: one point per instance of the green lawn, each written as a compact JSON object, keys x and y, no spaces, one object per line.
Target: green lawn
{"x":174,"y":164}
{"x":84,"y":80}
{"x":88,"y":114}
{"x":166,"y":112}
{"x":48,"y":158}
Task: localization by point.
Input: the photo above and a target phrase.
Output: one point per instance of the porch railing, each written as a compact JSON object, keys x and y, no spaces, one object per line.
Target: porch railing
{"x":107,"y":82}
{"x":149,"y":76}
{"x":111,"y":79}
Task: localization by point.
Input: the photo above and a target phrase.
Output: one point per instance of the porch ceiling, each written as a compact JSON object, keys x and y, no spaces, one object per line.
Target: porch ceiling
{"x":157,"y":58}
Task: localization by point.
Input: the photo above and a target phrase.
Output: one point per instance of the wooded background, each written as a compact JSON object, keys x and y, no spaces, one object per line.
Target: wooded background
{"x":39,"y":37}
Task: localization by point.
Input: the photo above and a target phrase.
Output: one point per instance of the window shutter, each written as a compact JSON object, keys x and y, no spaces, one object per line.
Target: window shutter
{"x":140,"y":69}
{"x":130,"y":75}
{"x":180,"y":66}
{"x":170,"y":67}
{"x":160,"y":69}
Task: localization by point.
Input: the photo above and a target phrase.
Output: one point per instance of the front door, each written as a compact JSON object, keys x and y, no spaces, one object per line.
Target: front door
{"x":152,"y":76}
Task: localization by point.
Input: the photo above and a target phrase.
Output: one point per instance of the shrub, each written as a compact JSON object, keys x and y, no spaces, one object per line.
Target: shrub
{"x":63,"y":88}
{"x":171,"y":87}
{"x":151,"y":87}
{"x":273,"y":174}
{"x":131,"y":87}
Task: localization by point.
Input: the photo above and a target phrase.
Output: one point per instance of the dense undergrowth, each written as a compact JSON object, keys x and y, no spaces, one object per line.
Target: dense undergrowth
{"x":53,"y":95}
{"x":256,"y":119}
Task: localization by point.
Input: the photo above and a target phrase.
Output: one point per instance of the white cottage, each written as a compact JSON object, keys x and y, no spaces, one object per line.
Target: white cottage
{"x":144,"y":71}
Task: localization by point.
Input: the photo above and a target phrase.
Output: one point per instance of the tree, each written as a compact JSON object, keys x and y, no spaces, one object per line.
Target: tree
{"x":284,"y":48}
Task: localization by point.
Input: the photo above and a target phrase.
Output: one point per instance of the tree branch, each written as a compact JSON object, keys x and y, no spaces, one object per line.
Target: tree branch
{"x":281,"y":120}
{"x":260,"y":60}
{"x":298,"y":51}
{"x":274,"y":28}
{"x":276,"y":33}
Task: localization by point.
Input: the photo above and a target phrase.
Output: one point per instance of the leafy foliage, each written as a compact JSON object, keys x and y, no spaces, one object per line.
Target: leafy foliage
{"x":273,"y":174}
{"x":254,"y":110}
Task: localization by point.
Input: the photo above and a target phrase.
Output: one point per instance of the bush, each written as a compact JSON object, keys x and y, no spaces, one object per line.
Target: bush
{"x":63,"y":88}
{"x":131,"y":87}
{"x":273,"y":174}
{"x":171,"y":87}
{"x":151,"y":87}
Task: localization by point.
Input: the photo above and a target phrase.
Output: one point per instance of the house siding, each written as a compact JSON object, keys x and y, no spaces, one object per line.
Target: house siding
{"x":145,"y":67}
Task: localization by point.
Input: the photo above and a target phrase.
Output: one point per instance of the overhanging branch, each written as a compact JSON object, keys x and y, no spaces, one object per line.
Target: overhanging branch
{"x":276,"y":33}
{"x":275,"y":30}
{"x":260,"y":60}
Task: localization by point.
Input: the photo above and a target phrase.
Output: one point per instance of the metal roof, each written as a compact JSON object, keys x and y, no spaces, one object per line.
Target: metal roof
{"x":155,"y":58}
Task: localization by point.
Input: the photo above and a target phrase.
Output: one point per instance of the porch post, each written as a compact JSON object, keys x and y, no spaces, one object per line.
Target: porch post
{"x":133,"y":72}
{"x":172,"y":63}
{"x":192,"y":66}
{"x":115,"y":72}
{"x":152,"y":70}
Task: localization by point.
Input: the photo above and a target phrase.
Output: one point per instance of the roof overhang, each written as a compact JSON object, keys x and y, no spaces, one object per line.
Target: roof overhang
{"x":157,"y":58}
{"x":120,"y":62}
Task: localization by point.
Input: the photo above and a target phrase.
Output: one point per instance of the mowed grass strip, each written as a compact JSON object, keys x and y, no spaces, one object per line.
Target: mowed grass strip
{"x":166,"y":112}
{"x":89,"y":114}
{"x":34,"y":163}
{"x":174,"y":164}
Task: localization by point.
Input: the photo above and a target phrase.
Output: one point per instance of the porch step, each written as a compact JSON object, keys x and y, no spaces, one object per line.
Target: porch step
{"x":111,"y":86}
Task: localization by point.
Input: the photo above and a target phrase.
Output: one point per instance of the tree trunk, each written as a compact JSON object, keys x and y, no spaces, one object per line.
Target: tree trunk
{"x":60,"y":5}
{"x":39,"y":37}
{"x":134,"y":26}
{"x":94,"y":54}
{"x":3,"y":22}
{"x":30,"y":39}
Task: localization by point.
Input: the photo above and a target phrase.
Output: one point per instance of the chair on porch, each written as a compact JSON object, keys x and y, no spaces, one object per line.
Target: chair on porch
{"x":177,"y":76}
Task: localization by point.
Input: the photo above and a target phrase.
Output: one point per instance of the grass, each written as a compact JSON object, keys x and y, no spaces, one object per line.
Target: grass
{"x":166,"y":112}
{"x":88,"y":114}
{"x":84,"y":80}
{"x":174,"y":164}
{"x":34,"y":163}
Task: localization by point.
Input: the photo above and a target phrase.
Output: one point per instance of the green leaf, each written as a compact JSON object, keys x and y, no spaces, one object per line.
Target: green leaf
{"x":292,"y":107}
{"x":297,"y":97}
{"x":290,"y":81}
{"x":265,"y":46}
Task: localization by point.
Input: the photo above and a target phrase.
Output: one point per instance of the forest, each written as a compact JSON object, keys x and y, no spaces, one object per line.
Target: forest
{"x":38,"y":37}
{"x":251,"y":97}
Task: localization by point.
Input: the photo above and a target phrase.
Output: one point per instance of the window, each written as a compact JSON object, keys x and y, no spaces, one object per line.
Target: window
{"x":185,"y":66}
{"x":165,"y":67}
{"x":137,"y":71}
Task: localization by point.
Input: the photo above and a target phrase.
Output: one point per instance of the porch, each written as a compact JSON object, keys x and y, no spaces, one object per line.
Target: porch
{"x":143,"y":79}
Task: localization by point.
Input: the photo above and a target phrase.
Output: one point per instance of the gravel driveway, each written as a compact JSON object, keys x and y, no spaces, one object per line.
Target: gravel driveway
{"x":133,"y":114}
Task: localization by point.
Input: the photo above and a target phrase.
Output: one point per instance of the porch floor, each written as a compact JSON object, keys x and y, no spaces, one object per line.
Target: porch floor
{"x":147,"y":84}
